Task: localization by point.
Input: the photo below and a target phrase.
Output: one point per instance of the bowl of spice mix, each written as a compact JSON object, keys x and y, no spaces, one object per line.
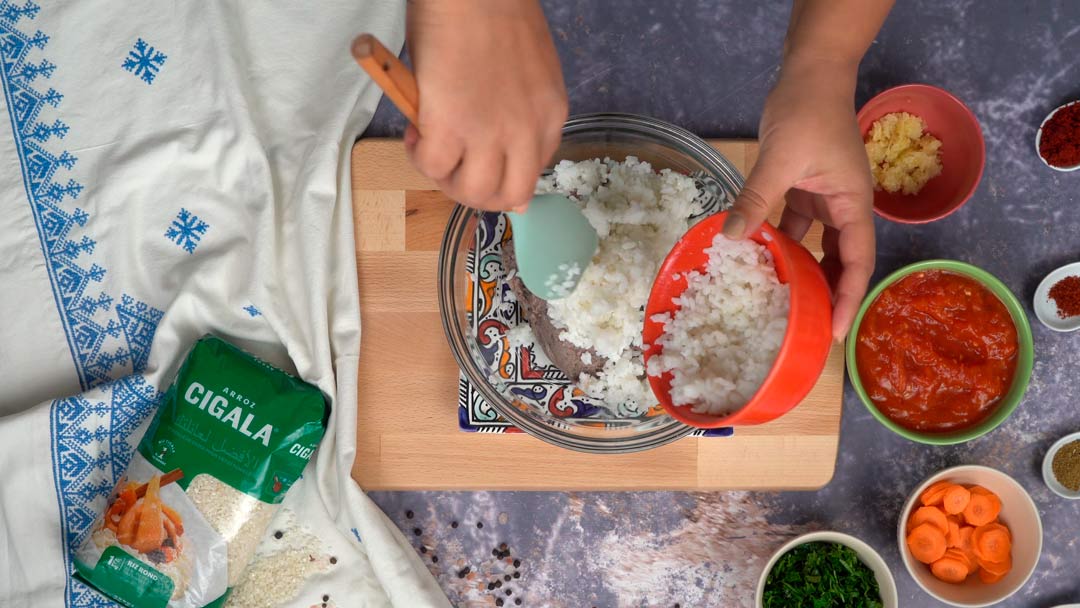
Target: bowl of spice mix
{"x":1061,"y":467}
{"x":1057,"y":299}
{"x":926,"y":152}
{"x":1058,"y":139}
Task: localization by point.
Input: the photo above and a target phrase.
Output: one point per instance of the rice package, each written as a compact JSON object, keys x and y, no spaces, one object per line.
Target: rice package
{"x":230,"y":437}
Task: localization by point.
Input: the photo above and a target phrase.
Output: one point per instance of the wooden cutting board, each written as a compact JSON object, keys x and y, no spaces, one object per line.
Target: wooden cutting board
{"x":407,"y":424}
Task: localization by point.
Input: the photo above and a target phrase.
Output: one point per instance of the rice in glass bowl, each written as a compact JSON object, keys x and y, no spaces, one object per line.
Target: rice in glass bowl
{"x":482,"y":322}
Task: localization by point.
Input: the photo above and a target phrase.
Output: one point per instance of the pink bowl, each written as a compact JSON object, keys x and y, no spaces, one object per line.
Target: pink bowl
{"x":963,"y":152}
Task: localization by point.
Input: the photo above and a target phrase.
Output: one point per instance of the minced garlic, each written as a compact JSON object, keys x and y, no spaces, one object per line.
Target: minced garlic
{"x":903,"y":157}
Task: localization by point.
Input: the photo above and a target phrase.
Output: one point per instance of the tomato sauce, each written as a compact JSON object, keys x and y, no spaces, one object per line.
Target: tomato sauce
{"x":936,"y":351}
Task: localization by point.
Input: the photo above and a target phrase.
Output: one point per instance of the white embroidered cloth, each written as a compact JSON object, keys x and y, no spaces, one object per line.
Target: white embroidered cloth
{"x":168,"y":170}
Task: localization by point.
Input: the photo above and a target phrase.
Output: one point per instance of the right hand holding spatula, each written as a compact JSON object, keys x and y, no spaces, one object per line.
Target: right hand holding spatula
{"x":494,"y":102}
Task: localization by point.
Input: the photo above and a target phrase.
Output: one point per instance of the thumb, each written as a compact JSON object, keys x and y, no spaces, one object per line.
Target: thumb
{"x":769,"y":180}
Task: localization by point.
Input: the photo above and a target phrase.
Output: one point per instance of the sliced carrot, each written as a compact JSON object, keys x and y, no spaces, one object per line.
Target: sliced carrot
{"x":927,"y":543}
{"x":952,"y":539}
{"x":966,"y":544}
{"x":933,"y":495}
{"x":980,"y":490}
{"x":125,"y":530}
{"x":959,"y":556}
{"x":950,"y":570}
{"x":151,"y":532}
{"x":982,"y":509}
{"x":1002,"y":567}
{"x":174,"y":517}
{"x":956,"y":500}
{"x":989,"y":577}
{"x":930,"y":515}
{"x":992,"y":542}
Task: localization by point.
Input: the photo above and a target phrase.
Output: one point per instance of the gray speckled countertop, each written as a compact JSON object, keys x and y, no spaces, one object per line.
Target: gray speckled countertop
{"x":707,"y":65}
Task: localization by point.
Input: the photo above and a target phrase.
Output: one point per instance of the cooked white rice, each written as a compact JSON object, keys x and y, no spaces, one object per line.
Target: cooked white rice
{"x":723,"y":340}
{"x":639,"y":215}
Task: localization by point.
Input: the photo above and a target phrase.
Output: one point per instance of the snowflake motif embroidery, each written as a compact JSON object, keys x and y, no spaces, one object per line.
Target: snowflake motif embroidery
{"x":186,"y":230}
{"x":144,"y":61}
{"x":251,"y":310}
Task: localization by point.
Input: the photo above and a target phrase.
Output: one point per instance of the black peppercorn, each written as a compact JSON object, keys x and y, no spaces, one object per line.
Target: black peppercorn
{"x":499,"y":602}
{"x":453,"y":524}
{"x":278,"y":534}
{"x":333,"y":560}
{"x":517,"y":602}
{"x":326,"y":598}
{"x":509,"y":592}
{"x":479,"y":524}
{"x":408,"y":514}
{"x":507,"y":578}
{"x":423,"y":549}
{"x":434,"y":559}
{"x":517,"y":563}
{"x":463,"y":572}
{"x":517,"y":575}
{"x":417,"y":531}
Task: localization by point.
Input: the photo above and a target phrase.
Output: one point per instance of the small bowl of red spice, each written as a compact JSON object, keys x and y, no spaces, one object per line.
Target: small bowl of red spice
{"x":1058,"y":139}
{"x":1057,"y":299}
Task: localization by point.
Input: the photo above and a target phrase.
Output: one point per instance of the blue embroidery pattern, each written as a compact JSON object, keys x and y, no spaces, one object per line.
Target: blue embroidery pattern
{"x":107,"y":339}
{"x":356,"y":534}
{"x":103,"y":345}
{"x":186,"y":230}
{"x":144,"y":61}
{"x":251,"y":310}
{"x":92,"y":446}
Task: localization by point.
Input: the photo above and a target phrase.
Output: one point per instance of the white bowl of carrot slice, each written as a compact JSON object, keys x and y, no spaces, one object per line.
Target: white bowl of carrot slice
{"x":970,"y":536}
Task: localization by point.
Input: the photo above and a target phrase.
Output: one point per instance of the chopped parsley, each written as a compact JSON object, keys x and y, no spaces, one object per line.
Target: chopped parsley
{"x":821,"y":575}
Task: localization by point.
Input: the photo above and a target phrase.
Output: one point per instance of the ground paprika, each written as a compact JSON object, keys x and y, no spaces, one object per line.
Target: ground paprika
{"x":1066,"y":294}
{"x":1059,"y":144}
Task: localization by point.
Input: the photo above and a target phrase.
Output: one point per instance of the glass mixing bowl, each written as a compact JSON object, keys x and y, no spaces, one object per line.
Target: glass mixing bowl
{"x":487,"y":360}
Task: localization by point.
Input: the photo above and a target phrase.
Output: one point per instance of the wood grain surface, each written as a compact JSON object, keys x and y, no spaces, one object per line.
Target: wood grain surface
{"x":407,"y":426}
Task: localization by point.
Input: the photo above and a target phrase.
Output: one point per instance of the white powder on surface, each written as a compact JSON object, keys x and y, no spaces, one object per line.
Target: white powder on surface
{"x":638,"y":215}
{"x":722,"y":342}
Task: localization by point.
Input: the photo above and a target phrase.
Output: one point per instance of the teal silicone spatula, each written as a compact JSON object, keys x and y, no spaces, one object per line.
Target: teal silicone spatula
{"x":553,"y":244}
{"x":553,"y":241}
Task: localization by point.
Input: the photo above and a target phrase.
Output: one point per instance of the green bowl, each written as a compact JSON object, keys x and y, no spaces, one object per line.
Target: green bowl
{"x":1024,"y":361}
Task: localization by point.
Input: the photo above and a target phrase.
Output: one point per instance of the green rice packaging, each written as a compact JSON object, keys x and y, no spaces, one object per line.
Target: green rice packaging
{"x":230,"y":437}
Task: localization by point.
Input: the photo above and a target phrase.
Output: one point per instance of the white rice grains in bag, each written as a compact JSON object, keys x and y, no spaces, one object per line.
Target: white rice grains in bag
{"x":230,"y":437}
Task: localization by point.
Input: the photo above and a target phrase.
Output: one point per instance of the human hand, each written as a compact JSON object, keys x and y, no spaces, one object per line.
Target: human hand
{"x":813,"y":155}
{"x":492,"y":99}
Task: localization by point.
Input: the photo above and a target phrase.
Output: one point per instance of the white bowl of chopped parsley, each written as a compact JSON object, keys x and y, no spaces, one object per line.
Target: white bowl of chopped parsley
{"x":826,"y":569}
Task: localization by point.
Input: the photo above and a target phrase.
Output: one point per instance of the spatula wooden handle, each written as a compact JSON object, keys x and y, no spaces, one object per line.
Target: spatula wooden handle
{"x":392,"y":76}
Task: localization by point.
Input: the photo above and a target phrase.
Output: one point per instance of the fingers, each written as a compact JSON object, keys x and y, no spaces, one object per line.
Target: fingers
{"x":477,"y":179}
{"x":796,"y":219}
{"x":519,"y":179}
{"x":855,"y":253}
{"x":435,"y":154}
{"x":764,"y":190}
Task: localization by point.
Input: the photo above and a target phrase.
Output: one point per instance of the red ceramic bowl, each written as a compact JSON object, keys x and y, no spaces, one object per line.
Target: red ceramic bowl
{"x":963,"y":152}
{"x":806,"y":344}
